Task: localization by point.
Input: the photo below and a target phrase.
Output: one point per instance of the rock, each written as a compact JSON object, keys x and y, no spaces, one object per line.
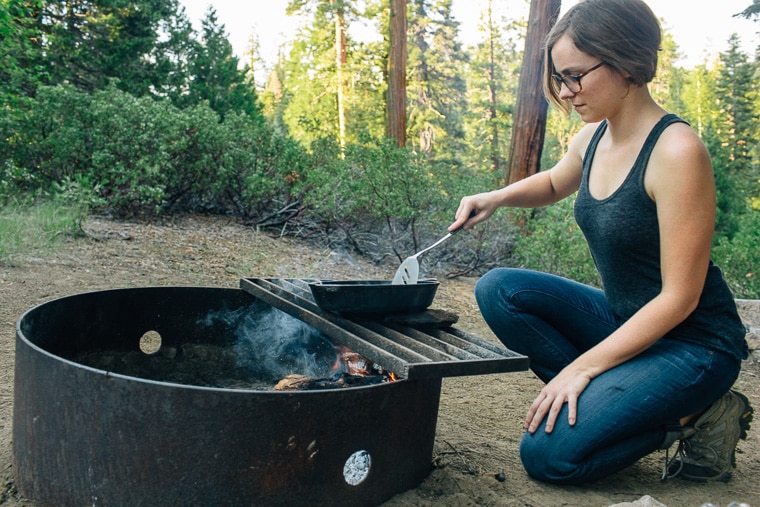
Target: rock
{"x":644,"y":501}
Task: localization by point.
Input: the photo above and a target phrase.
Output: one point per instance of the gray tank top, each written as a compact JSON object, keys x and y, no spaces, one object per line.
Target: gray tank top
{"x":623,"y":235}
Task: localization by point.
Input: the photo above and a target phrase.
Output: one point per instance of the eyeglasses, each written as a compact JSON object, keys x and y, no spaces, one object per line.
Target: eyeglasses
{"x":573,"y":83}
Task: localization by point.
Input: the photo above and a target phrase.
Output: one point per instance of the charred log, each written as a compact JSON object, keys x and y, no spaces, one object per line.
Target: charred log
{"x":337,"y":381}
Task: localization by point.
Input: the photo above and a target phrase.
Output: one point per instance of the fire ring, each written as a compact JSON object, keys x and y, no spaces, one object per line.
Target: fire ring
{"x":83,"y":433}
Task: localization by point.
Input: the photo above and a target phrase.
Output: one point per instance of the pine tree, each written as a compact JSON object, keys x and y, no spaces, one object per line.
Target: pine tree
{"x":21,"y":68}
{"x":317,"y":71}
{"x":720,"y":106}
{"x":215,"y":76}
{"x":491,"y":91}
{"x":89,"y":42}
{"x":668,"y":83}
{"x":737,"y":127}
{"x":435,"y":85}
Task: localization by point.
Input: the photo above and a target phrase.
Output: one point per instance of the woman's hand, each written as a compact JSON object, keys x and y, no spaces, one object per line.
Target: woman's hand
{"x":474,"y":209}
{"x":564,"y":388}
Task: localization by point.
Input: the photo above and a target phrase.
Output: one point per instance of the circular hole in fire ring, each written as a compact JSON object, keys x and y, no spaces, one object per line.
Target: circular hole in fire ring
{"x":357,"y":467}
{"x":150,"y":342}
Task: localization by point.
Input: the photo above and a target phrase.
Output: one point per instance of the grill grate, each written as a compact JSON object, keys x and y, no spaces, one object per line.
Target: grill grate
{"x":411,"y":352}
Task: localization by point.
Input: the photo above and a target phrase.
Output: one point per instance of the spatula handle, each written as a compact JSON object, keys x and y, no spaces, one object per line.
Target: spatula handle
{"x":447,"y":236}
{"x":472,"y":214}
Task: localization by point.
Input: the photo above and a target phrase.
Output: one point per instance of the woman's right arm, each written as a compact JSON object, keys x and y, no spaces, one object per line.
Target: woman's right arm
{"x":540,"y":189}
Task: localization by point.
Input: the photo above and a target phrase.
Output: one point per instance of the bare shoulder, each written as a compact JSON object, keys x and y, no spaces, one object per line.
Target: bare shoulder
{"x":581,"y":140}
{"x":680,"y":146}
{"x":576,"y":151}
{"x":565,"y":177}
{"x":681,"y":161}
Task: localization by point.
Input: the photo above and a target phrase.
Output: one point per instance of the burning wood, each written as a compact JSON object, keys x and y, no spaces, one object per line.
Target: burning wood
{"x":350,"y":370}
{"x":337,"y":381}
{"x":348,"y":361}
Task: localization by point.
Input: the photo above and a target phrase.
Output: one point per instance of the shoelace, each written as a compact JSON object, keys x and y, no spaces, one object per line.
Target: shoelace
{"x":703,"y":451}
{"x":679,"y":455}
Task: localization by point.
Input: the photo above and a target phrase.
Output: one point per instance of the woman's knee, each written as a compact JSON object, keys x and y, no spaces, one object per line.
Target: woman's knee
{"x":497,"y":285}
{"x":545,"y":462}
{"x":491,"y":281}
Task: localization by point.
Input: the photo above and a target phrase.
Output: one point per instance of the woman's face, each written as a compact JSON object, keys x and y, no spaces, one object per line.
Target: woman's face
{"x":601,"y":89}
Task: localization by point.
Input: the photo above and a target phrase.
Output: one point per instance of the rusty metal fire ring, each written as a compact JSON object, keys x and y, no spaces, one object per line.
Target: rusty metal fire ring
{"x":86,"y":435}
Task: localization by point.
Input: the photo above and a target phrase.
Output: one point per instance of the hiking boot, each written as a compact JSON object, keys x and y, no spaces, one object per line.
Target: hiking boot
{"x":706,"y":451}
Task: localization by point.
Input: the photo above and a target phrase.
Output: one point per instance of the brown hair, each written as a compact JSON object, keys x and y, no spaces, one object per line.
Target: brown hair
{"x":625,"y":34}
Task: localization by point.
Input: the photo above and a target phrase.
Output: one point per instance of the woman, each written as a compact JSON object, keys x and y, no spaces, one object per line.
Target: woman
{"x":628,"y":370}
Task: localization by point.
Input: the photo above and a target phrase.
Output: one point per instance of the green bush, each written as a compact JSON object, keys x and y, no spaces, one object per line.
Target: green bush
{"x":551,"y":241}
{"x":376,"y":187}
{"x":739,"y":256}
{"x":141,"y":156}
{"x":258,"y":172}
{"x":130,"y":149}
{"x":195,"y":148}
{"x":50,"y":141}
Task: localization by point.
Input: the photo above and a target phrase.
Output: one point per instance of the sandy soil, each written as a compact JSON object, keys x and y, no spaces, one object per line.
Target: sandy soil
{"x":480,"y":417}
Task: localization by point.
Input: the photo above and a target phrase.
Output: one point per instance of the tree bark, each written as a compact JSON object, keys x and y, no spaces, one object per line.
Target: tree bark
{"x":395,"y":127}
{"x":529,"y":126}
{"x":492,"y":109}
{"x":340,"y":63}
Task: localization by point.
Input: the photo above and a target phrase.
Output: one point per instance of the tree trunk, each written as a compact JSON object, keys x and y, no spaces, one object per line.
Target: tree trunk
{"x":395,"y":127}
{"x":340,"y":63}
{"x":492,"y":111}
{"x":529,"y":126}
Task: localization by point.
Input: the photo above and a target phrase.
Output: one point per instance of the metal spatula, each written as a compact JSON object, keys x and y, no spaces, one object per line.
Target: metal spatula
{"x":409,"y":271}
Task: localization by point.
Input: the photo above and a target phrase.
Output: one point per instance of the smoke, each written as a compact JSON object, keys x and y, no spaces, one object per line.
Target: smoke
{"x":272,"y":344}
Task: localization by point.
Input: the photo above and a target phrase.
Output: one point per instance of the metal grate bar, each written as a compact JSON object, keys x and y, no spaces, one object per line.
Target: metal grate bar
{"x":409,"y":352}
{"x":409,"y":341}
{"x":377,"y":338}
{"x":452,"y":349}
{"x":334,"y":328}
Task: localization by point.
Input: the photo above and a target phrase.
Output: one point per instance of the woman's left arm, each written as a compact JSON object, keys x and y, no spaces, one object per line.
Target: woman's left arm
{"x":680,"y":180}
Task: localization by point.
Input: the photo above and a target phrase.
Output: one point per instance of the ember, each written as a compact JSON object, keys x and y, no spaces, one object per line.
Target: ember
{"x":354,"y":364}
{"x":350,"y":362}
{"x":350,"y":370}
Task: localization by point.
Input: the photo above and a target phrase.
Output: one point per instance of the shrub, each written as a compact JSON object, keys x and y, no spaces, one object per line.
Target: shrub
{"x":138,"y":156}
{"x":50,"y":140}
{"x":130,"y":150}
{"x":739,"y":256}
{"x":551,"y":241}
{"x":374,"y":187}
{"x":258,"y":171}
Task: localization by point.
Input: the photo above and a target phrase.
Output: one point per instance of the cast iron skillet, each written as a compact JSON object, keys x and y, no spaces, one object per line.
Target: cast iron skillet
{"x":373,"y":296}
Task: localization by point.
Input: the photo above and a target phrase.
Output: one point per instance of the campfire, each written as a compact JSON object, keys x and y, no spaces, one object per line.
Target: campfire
{"x":350,"y":370}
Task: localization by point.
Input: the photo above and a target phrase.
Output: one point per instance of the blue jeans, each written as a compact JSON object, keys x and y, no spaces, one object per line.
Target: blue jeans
{"x":626,"y":412}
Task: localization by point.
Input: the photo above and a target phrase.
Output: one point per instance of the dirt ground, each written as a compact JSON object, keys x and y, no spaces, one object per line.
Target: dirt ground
{"x":480,"y":417}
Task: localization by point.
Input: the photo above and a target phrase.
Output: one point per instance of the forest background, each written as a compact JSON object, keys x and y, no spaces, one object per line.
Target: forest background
{"x":121,"y":107}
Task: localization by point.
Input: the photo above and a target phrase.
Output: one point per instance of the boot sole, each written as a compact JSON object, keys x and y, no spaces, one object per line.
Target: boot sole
{"x":747,"y":415}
